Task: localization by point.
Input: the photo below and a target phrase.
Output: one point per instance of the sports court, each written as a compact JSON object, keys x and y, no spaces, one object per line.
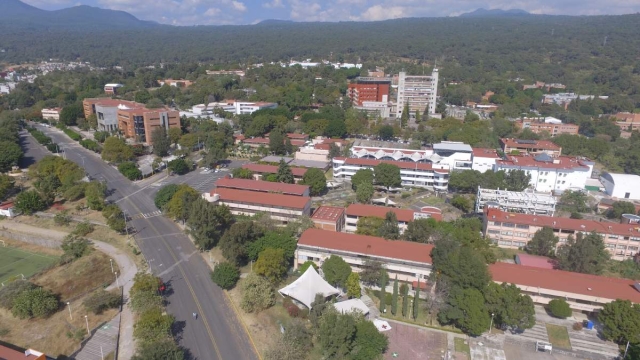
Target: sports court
{"x":14,"y":262}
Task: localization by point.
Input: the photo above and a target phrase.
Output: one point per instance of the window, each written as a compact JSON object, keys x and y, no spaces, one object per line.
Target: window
{"x":508,"y":225}
{"x":622,"y":247}
{"x":610,"y":246}
{"x":526,"y":227}
{"x":494,"y":231}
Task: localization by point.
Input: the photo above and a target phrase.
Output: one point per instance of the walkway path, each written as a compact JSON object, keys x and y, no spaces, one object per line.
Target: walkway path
{"x":102,"y":342}
{"x":128,"y":270}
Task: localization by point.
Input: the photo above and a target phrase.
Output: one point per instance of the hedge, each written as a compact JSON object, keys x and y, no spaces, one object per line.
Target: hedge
{"x":90,"y":145}
{"x":130,"y":170}
{"x":39,"y":136}
{"x":72,"y":134}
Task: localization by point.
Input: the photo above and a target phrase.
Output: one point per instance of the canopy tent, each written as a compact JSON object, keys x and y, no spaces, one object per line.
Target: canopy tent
{"x":349,"y":306}
{"x":384,"y":200}
{"x":305,"y":288}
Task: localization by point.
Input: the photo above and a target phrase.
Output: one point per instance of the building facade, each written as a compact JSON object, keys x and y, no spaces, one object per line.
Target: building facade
{"x":510,"y":230}
{"x":112,"y":89}
{"x":412,"y":174}
{"x":262,"y":186}
{"x":628,"y":121}
{"x":368,"y":89}
{"x":52,"y":114}
{"x":354,"y":212}
{"x":420,"y":92}
{"x":621,"y":186}
{"x":329,"y":218}
{"x":531,"y":147}
{"x":484,"y":159}
{"x":550,"y":125}
{"x":175,"y":83}
{"x":260,"y":170}
{"x":139,"y":122}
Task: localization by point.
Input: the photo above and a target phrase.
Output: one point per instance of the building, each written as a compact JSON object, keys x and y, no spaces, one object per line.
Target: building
{"x":317,"y":152}
{"x":583,"y":292}
{"x":382,"y":109}
{"x":541,"y":84}
{"x":225,"y":72}
{"x":11,"y":352}
{"x":628,"y":121}
{"x":139,"y":122}
{"x":412,"y":174}
{"x":106,"y":111}
{"x":112,"y":89}
{"x":550,"y":125}
{"x":410,"y":261}
{"x":420,"y":92}
{"x":262,"y":186}
{"x":513,"y":231}
{"x":260,"y":170}
{"x":283,"y":208}
{"x":525,"y":202}
{"x":564,"y":99}
{"x":541,"y":262}
{"x":532,"y":147}
{"x":355,"y":211}
{"x":374,"y":89}
{"x":329,"y":218}
{"x":484,"y":160}
{"x":7,"y":209}
{"x":621,"y":186}
{"x":52,"y":114}
{"x":244,"y":107}
{"x":550,"y":174}
{"x":175,"y":83}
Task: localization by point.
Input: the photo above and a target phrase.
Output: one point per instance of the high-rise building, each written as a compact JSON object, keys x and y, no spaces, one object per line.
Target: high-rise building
{"x":419,"y":91}
{"x":366,"y":89}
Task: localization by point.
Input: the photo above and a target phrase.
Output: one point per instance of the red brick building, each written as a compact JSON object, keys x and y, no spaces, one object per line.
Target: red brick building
{"x":370,"y":91}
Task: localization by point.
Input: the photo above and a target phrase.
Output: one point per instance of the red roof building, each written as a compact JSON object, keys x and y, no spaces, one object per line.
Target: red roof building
{"x":355,"y":211}
{"x":262,"y":186}
{"x":540,"y":262}
{"x":261,"y":170}
{"x":329,"y":218}
{"x":533,"y":147}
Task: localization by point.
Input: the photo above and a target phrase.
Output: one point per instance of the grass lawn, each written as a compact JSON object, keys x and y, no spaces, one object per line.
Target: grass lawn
{"x":15,"y":262}
{"x":558,"y":336}
{"x":461,"y":346}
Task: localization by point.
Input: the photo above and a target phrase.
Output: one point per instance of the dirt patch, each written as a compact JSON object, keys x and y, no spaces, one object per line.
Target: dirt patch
{"x":408,"y":342}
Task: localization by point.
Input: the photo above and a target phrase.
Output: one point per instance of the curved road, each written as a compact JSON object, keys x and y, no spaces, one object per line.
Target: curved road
{"x":217,"y":333}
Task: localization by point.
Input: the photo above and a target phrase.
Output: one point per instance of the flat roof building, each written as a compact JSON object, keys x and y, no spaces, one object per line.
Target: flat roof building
{"x":262,"y":186}
{"x":368,"y":89}
{"x":550,"y":125}
{"x":532,"y":147}
{"x":139,"y":122}
{"x":484,"y":160}
{"x":527,"y":202}
{"x":621,"y":186}
{"x":261,"y":170}
{"x":420,"y":92}
{"x":283,"y":208}
{"x":329,"y":218}
{"x":112,"y":89}
{"x":355,"y":211}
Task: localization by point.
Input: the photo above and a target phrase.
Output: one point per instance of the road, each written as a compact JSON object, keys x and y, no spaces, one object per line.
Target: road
{"x":217,"y":333}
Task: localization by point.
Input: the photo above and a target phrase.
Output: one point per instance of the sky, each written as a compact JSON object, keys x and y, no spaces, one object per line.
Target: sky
{"x":226,"y":12}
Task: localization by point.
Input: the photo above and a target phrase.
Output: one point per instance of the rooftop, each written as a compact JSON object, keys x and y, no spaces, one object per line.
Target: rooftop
{"x":262,"y":198}
{"x":547,"y":162}
{"x":262,"y":186}
{"x":452,"y":146}
{"x":624,"y":180}
{"x":328,"y":213}
{"x":272,"y":169}
{"x":564,"y":223}
{"x":404,"y":215}
{"x":576,"y":283}
{"x":401,"y":164}
{"x":485,"y":153}
{"x":367,"y":245}
{"x":534,"y":261}
{"x":10,"y":352}
{"x":530,"y":144}
{"x":310,"y":164}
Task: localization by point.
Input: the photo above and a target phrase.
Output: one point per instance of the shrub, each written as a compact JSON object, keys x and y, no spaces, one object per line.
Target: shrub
{"x":577,"y":326}
{"x":72,"y":134}
{"x":29,"y":202}
{"x":115,"y":217}
{"x":225,"y":275}
{"x":62,"y":219}
{"x":34,"y":303}
{"x":53,"y":148}
{"x":75,"y":192}
{"x":74,"y":247}
{"x":257,"y":294}
{"x":388,"y":298}
{"x":12,"y":290}
{"x":559,"y":308}
{"x":293,"y":310}
{"x":178,"y":166}
{"x":83,"y":229}
{"x":90,"y":145}
{"x":305,"y":266}
{"x":164,"y":195}
{"x":130,"y":170}
{"x":102,"y":300}
{"x":152,"y":325}
{"x":100,"y":136}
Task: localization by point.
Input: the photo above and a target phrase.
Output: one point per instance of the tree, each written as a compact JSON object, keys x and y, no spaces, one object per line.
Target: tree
{"x":92,"y":121}
{"x":142,"y":96}
{"x":385,"y":132}
{"x":294,"y":344}
{"x":225,"y":275}
{"x":387,"y":175}
{"x":70,"y":114}
{"x":115,"y":217}
{"x":517,"y":180}
{"x":420,"y":230}
{"x":235,"y":240}
{"x":74,"y":247}
{"x":240,"y":173}
{"x":159,"y":350}
{"x":116,"y":150}
{"x":100,"y":136}
{"x":274,"y":240}
{"x":335,"y":334}
{"x":276,"y":142}
{"x":188,"y":141}
{"x":207,"y":222}
{"x":95,"y":193}
{"x":9,"y":156}
{"x":130,"y":170}
{"x":152,"y":325}
{"x":179,"y":207}
{"x":620,"y":321}
{"x":510,"y":307}
{"x":6,"y":185}
{"x":586,"y":254}
{"x":374,"y":274}
{"x":284,"y":173}
{"x":257,"y":294}
{"x":353,"y":285}
{"x":361,"y":176}
{"x":316,"y":180}
{"x":161,"y":142}
{"x":302,"y":268}
{"x":383,"y":299}
{"x":416,"y":302}
{"x":543,"y":242}
{"x":369,"y":225}
{"x":164,"y":195}
{"x":461,"y":266}
{"x":175,"y":134}
{"x":336,"y":128}
{"x":470,"y":116}
{"x":389,"y":228}
{"x":462,"y":202}
{"x":12,"y":290}
{"x":271,"y":264}
{"x":465,"y":181}
{"x":620,"y":207}
{"x":214,"y":156}
{"x":405,"y":301}
{"x":404,"y":117}
{"x":466,"y":310}
{"x":334,"y":151}
{"x":364,"y":193}
{"x":336,"y":271}
{"x":559,"y":308}
{"x":369,"y":343}
{"x":38,"y":303}
{"x":394,"y":298}
{"x":29,"y":202}
{"x":178,"y":166}
{"x":574,"y":201}
{"x":418,"y":118}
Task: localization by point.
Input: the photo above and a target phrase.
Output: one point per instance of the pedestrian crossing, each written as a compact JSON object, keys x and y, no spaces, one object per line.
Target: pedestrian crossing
{"x":147,"y":215}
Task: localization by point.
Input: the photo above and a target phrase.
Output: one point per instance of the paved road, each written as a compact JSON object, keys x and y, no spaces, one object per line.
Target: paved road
{"x":33,"y":151}
{"x":217,"y":333}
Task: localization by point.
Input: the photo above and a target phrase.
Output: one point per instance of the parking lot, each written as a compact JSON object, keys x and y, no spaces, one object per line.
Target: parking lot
{"x":200,"y":179}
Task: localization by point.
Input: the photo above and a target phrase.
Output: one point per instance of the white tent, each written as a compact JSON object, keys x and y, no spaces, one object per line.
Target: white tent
{"x":384,"y":200}
{"x":352,"y":305}
{"x":305,"y":288}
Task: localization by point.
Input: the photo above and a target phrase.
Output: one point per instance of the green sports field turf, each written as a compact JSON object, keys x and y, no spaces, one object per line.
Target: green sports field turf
{"x":14,"y":261}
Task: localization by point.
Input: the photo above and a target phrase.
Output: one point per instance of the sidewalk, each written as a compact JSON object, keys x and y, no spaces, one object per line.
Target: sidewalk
{"x":128,"y":270}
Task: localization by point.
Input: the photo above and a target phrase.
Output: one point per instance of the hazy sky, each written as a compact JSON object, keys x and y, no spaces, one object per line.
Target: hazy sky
{"x":220,"y":12}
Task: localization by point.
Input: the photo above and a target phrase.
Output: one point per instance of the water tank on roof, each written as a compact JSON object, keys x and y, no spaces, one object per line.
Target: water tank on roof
{"x":629,"y":219}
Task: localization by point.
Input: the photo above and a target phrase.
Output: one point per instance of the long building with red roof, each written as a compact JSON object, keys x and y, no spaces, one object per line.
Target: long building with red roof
{"x":511,"y":230}
{"x":262,"y":186}
{"x":355,"y":211}
{"x":261,"y":170}
{"x":410,"y":261}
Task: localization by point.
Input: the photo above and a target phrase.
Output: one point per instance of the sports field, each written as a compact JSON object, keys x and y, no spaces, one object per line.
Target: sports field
{"x":14,"y":262}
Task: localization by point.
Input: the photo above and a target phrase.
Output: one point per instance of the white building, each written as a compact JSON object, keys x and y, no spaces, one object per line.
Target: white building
{"x":621,"y":186}
{"x":242,"y":107}
{"x":525,"y":202}
{"x":412,"y":174}
{"x":419,"y":91}
{"x":6,"y":88}
{"x":380,"y":108}
{"x":232,"y":106}
{"x":550,"y":174}
{"x":52,"y":114}
{"x":484,"y":159}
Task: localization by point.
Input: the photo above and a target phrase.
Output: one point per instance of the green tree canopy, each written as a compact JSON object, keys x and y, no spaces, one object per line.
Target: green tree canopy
{"x":543,"y":242}
{"x":316,"y":180}
{"x":466,"y":310}
{"x":336,"y":271}
{"x":361,"y":176}
{"x":586,"y":254}
{"x":510,"y":307}
{"x":207,"y":222}
{"x":387,"y":175}
{"x":284,"y":173}
{"x":559,"y":308}
{"x":621,"y":321}
{"x":364,"y":193}
{"x":389,"y":228}
{"x":116,"y":150}
{"x":225,"y":275}
{"x":620,"y":207}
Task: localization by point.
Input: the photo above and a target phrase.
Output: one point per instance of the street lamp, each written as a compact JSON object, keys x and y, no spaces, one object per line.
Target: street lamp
{"x":86,"y":320}
{"x":111,"y":261}
{"x":69,"y":306}
{"x":491,"y":325}
{"x":117,"y":282}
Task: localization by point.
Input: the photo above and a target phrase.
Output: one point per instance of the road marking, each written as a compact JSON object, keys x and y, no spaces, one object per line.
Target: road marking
{"x":147,"y":215}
